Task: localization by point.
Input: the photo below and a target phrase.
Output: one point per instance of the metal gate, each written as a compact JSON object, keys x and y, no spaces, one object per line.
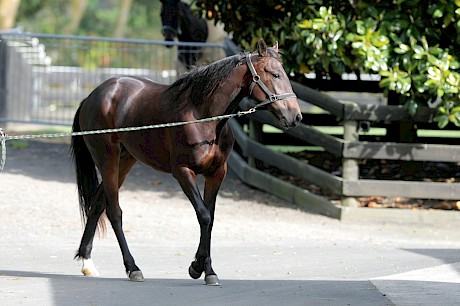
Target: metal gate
{"x":44,"y":77}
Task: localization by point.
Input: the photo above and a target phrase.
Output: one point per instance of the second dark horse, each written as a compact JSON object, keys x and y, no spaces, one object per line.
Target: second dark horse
{"x":179,"y":21}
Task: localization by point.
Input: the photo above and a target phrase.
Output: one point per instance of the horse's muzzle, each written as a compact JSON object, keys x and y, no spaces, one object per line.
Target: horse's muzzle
{"x":169,"y":33}
{"x":297,"y":120}
{"x":286,"y":124}
{"x":169,"y":39}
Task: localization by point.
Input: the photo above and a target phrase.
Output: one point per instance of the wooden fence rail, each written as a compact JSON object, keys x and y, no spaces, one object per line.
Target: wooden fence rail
{"x":348,"y":148}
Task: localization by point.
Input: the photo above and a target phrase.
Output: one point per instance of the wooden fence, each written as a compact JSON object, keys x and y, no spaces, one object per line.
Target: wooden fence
{"x":348,"y":147}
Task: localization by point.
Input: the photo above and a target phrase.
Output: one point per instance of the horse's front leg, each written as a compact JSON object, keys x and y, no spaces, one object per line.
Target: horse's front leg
{"x":202,"y":263}
{"x":211,"y":189}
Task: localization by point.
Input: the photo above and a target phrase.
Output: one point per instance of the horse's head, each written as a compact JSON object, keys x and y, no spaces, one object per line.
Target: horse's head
{"x":271,"y":86}
{"x":170,"y":19}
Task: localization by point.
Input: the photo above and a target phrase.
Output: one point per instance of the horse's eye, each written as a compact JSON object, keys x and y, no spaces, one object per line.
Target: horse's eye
{"x":276,"y":75}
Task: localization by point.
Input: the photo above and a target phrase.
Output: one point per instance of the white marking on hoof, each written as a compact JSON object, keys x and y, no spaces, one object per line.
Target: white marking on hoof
{"x":89,"y":269}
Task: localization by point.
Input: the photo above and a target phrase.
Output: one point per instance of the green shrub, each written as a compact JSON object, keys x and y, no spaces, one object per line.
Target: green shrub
{"x":414,"y":45}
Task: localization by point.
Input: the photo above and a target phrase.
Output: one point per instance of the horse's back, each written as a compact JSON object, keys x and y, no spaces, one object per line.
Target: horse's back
{"x":111,"y":103}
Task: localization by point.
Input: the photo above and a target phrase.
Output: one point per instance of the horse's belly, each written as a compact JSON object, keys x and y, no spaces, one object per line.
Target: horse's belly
{"x":149,"y":148}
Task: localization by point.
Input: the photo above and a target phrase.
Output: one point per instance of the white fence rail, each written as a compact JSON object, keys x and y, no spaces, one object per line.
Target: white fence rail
{"x":44,"y":77}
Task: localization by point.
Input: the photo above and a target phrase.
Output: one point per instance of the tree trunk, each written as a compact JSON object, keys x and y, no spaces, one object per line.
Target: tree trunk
{"x":123,"y":15}
{"x":76,"y":10}
{"x":8,"y":10}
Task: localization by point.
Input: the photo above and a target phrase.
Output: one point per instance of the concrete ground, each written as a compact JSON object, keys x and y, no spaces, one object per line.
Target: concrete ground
{"x":265,"y":251}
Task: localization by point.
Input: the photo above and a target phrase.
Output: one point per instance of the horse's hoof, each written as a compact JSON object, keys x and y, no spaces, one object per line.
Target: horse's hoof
{"x":89,"y":269}
{"x":193,"y":274}
{"x":136,"y":276}
{"x":212,"y":280}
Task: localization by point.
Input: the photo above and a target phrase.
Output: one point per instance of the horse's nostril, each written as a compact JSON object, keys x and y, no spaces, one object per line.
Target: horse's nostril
{"x":298,"y":119}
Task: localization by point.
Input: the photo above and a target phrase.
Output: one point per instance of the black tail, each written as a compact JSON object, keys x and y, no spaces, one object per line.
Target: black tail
{"x":87,"y":180}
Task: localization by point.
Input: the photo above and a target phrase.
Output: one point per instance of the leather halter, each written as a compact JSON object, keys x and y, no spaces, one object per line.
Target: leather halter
{"x":272,"y":97}
{"x":167,"y":28}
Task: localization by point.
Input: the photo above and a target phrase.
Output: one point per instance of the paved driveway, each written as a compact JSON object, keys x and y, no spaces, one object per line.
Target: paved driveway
{"x":265,"y":251}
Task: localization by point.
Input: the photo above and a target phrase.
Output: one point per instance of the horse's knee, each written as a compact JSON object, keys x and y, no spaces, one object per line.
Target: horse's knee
{"x":204,"y":217}
{"x":114,"y":214}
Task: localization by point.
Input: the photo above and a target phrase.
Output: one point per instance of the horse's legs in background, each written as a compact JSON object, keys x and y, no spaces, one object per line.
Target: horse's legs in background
{"x":187,"y":56}
{"x":204,"y":213}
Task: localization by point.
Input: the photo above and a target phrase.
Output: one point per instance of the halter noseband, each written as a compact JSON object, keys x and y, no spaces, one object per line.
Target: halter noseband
{"x":272,"y":97}
{"x":167,"y":28}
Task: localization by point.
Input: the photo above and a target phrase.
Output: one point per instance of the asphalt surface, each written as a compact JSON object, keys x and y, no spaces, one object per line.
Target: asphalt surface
{"x":265,"y":251}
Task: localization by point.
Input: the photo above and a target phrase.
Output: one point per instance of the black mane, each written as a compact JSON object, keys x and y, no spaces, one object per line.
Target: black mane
{"x":203,"y":81}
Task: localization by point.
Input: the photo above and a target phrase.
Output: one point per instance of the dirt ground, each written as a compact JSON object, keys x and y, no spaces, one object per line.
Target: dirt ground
{"x":42,"y":173}
{"x":266,"y":251}
{"x":39,"y":181}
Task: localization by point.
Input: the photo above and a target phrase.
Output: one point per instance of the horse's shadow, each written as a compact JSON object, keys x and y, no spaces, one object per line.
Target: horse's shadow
{"x":30,"y":287}
{"x":61,"y":289}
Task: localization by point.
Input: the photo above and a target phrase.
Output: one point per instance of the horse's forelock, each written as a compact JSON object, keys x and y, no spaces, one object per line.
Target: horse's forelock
{"x":273,"y":53}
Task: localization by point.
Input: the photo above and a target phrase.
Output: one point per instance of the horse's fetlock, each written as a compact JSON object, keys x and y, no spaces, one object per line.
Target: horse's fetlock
{"x":207,"y":262}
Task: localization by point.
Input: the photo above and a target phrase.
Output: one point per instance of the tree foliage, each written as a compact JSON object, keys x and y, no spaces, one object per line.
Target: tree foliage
{"x":413,"y":44}
{"x":99,"y":18}
{"x":8,"y":11}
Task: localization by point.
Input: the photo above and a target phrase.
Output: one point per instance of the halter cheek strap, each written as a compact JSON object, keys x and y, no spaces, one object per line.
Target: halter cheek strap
{"x":272,"y":97}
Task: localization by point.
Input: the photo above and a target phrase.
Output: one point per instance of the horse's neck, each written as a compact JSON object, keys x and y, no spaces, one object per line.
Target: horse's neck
{"x":232,"y":91}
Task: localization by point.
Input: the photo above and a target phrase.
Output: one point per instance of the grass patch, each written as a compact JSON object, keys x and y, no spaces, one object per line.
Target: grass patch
{"x":19,"y":144}
{"x":285,"y":149}
{"x":439,"y":133}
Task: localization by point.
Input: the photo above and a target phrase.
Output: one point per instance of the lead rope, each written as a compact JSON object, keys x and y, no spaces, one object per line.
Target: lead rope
{"x":4,"y":137}
{"x":2,"y":150}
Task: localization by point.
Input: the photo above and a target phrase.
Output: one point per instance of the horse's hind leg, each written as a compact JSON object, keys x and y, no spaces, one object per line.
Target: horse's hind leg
{"x":110,"y":180}
{"x":125,"y":164}
{"x":86,"y":244}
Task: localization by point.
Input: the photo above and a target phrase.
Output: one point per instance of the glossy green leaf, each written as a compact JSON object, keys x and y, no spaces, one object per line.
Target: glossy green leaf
{"x":442,"y":121}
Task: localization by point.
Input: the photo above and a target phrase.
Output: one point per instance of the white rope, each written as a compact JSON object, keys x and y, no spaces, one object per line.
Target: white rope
{"x":4,"y":138}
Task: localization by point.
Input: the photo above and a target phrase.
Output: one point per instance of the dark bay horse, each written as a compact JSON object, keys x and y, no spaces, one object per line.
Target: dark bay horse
{"x":179,"y":21}
{"x":184,"y":151}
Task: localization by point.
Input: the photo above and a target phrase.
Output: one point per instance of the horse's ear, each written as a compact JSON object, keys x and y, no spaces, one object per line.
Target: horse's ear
{"x":275,"y":47}
{"x":262,"y":48}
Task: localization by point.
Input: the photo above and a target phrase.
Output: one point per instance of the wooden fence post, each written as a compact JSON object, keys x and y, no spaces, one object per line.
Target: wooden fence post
{"x":350,"y":168}
{"x":255,"y":133}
